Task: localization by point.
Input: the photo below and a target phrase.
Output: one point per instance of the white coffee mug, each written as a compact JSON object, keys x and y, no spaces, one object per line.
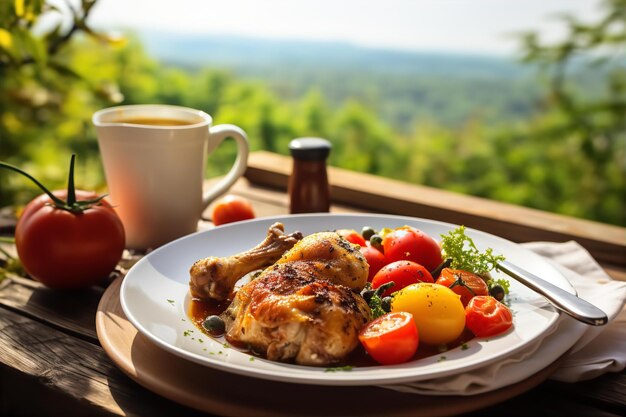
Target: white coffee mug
{"x":154,"y":160}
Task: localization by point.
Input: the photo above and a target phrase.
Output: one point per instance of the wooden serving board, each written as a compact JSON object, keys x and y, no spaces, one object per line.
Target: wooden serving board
{"x":223,"y":393}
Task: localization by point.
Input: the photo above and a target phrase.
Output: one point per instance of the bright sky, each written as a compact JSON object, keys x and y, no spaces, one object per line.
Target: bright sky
{"x":444,"y":25}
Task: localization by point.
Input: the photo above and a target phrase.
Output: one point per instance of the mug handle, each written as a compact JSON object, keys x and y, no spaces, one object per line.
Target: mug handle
{"x":217,"y":135}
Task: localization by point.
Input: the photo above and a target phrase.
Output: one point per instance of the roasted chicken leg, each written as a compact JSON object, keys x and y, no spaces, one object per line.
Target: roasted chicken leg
{"x":214,"y":278}
{"x":304,"y":308}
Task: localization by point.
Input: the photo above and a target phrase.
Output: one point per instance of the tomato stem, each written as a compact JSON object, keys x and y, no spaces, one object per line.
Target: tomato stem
{"x":57,"y":201}
{"x":437,"y":271}
{"x":71,"y":190}
{"x":71,"y":204}
{"x":459,"y":281}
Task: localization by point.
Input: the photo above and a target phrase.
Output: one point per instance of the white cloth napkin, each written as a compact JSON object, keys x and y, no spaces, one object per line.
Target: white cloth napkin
{"x":601,"y":349}
{"x":592,"y":350}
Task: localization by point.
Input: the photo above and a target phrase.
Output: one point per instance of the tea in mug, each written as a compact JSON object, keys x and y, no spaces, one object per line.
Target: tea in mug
{"x":154,"y":121}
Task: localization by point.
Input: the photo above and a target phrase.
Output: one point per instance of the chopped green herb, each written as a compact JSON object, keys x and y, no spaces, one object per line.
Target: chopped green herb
{"x":441,"y":359}
{"x":226,"y":345}
{"x":339,"y":369}
{"x":251,"y":358}
{"x":464,"y":346}
{"x":187,"y":333}
{"x":170,"y":301}
{"x":465,"y":255}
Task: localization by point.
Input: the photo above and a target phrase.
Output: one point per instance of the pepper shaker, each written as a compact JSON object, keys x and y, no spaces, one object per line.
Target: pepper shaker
{"x":308,"y":184}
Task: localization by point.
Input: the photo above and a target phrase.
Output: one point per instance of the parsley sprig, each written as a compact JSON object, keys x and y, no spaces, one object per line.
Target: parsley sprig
{"x":465,"y":255}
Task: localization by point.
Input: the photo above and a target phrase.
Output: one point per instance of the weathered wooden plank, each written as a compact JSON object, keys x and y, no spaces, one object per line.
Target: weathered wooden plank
{"x":73,"y":311}
{"x":607,"y":243}
{"x":75,"y":369}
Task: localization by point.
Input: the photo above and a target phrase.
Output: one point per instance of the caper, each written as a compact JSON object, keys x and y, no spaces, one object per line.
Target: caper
{"x":376,"y":241}
{"x":214,"y":325}
{"x":497,"y":292}
{"x":385,"y":304}
{"x":367,"y":232}
{"x":367,"y":295}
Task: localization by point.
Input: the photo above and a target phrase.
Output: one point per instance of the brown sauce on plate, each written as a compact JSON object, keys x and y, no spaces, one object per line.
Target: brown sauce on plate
{"x":199,"y":310}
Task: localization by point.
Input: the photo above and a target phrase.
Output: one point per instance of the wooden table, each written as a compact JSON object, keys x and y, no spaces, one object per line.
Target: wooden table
{"x":51,"y":362}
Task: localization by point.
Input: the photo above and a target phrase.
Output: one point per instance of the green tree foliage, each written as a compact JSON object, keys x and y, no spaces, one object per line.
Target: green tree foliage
{"x":567,"y":156}
{"x":46,"y":100}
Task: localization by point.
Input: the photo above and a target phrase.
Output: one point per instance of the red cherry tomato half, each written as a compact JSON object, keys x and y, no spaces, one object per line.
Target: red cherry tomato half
{"x":391,"y":338}
{"x":375,"y":259}
{"x":403,"y":274}
{"x":410,"y":244}
{"x":464,"y":283}
{"x":231,"y":208}
{"x":69,"y":250}
{"x":485,"y":316}
{"x":352,"y":236}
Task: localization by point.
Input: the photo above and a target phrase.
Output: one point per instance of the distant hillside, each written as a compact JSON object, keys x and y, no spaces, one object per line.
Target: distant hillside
{"x":237,"y":52}
{"x":404,"y":87}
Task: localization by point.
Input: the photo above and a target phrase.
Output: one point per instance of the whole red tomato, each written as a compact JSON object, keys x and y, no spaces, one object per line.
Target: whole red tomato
{"x":231,"y":208}
{"x":65,"y":249}
{"x":68,"y":239}
{"x":464,"y":283}
{"x":410,"y":244}
{"x":375,"y":259}
{"x":403,"y":274}
{"x":485,"y":316}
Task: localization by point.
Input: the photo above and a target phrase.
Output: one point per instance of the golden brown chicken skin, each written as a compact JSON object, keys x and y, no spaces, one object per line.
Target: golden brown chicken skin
{"x":290,"y":314}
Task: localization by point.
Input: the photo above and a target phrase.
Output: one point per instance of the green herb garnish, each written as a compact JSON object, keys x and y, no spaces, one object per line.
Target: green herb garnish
{"x":465,"y":255}
{"x":374,"y":299}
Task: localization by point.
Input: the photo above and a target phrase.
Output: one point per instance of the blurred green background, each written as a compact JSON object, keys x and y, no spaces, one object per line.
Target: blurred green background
{"x":553,"y":138}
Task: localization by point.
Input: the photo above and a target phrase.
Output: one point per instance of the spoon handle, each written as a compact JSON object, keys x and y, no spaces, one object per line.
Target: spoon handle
{"x":569,"y":303}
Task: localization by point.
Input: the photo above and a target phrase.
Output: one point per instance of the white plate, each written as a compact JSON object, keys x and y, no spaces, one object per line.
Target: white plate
{"x":155,"y":296}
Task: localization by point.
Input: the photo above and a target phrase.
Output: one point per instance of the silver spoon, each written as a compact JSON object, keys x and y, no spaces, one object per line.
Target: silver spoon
{"x":569,"y":303}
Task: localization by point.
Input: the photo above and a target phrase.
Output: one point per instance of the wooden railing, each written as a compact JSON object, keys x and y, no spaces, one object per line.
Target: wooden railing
{"x":607,"y":243}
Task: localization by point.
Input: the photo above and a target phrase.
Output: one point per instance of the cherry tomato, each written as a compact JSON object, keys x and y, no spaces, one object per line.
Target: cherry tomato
{"x":411,"y":244}
{"x":437,"y":310}
{"x":231,"y":208}
{"x":391,"y":338}
{"x":68,"y":250}
{"x":464,"y":283}
{"x":402,"y":273}
{"x":485,"y":316}
{"x":352,"y":236}
{"x":375,"y":259}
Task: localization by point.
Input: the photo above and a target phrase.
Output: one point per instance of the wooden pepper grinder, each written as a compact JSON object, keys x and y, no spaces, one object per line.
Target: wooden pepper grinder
{"x":308,"y":185}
